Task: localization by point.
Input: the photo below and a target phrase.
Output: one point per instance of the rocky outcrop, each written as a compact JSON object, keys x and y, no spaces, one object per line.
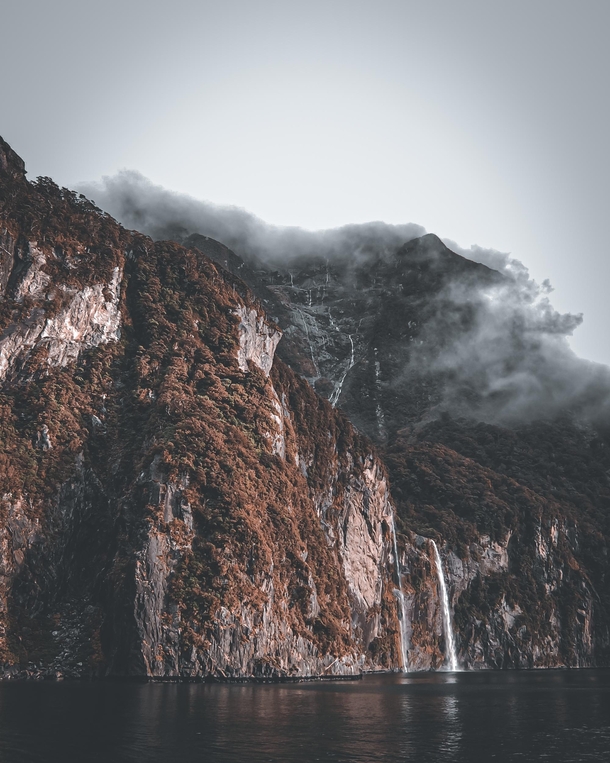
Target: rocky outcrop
{"x":11,"y":164}
{"x":362,"y":533}
{"x":91,"y":317}
{"x":257,"y":340}
{"x":34,"y":282}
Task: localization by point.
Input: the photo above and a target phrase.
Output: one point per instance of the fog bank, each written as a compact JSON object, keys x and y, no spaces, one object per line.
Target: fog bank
{"x":510,"y":362}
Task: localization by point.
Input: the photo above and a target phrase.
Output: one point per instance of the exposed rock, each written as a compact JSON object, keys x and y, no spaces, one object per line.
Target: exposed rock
{"x":214,"y":516}
{"x":91,"y":318}
{"x":34,"y":282}
{"x":10,"y":163}
{"x":43,"y":440}
{"x":7,"y":259}
{"x":364,"y":542}
{"x":257,"y":340}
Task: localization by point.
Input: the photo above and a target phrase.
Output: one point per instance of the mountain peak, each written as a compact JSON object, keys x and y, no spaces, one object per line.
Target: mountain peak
{"x":431,"y":239}
{"x":10,"y":162}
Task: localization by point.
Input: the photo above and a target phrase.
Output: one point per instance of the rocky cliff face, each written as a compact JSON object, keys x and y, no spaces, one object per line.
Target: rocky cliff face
{"x":525,"y":548}
{"x":447,"y":365}
{"x":543,"y":617}
{"x":175,"y":501}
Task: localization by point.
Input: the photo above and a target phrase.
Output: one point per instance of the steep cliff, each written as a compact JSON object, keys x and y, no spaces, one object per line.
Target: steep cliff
{"x":522,"y":519}
{"x":495,"y":438}
{"x":175,"y":502}
{"x":178,"y":501}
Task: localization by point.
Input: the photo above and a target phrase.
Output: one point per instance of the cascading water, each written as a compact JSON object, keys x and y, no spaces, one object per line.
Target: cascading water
{"x":306,"y":327}
{"x":402,"y":610}
{"x":449,"y":640}
{"x":334,"y":398}
{"x":379,"y":409}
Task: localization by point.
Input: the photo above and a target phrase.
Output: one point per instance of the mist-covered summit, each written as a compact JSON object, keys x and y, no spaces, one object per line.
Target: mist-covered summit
{"x":397,"y":339}
{"x":387,"y":321}
{"x":139,"y":204}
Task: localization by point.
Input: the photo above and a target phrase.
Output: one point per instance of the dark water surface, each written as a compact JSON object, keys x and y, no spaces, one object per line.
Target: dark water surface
{"x":513,"y":716}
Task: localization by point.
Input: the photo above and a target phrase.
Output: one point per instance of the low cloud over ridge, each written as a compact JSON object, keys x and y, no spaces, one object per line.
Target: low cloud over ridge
{"x":139,"y":204}
{"x":515,"y":355}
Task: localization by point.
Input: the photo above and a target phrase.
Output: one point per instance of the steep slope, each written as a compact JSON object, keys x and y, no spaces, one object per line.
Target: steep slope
{"x":178,"y":502}
{"x":526,"y":563}
{"x":494,"y":435}
{"x":175,"y":502}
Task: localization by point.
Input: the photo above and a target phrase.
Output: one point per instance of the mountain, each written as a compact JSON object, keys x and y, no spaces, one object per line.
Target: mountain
{"x":494,"y":434}
{"x":216,"y":464}
{"x":175,"y":501}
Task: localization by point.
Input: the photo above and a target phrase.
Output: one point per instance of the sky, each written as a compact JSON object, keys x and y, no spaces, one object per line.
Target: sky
{"x":484,"y":121}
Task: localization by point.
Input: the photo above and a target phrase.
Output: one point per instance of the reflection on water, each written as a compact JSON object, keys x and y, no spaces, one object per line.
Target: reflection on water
{"x":459,"y":718}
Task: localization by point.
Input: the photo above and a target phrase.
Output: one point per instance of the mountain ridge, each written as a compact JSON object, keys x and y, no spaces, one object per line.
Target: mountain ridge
{"x":530,"y":473}
{"x":179,"y":503}
{"x":172,"y":506}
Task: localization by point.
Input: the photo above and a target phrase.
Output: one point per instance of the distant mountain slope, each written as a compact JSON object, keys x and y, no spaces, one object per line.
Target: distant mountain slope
{"x":492,"y":430}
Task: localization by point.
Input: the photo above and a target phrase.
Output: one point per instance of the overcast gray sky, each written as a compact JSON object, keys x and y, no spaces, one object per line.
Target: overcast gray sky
{"x":487,"y":122}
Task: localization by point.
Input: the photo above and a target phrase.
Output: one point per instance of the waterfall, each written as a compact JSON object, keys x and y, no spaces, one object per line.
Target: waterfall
{"x":379,"y":409}
{"x":313,"y":357}
{"x":334,"y":398}
{"x":402,"y":610}
{"x":449,"y":640}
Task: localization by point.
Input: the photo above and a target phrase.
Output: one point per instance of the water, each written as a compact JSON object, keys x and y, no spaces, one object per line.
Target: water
{"x":448,"y":628}
{"x":334,"y":398}
{"x":379,"y":410}
{"x":402,"y":610}
{"x":312,"y":353}
{"x":516,"y":717}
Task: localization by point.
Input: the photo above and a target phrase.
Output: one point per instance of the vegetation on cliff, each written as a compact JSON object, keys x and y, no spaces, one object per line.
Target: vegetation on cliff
{"x":161,"y":437}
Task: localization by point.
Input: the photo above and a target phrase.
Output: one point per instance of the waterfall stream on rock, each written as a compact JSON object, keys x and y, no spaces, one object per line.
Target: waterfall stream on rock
{"x":449,"y":640}
{"x":402,"y":610}
{"x":334,"y":398}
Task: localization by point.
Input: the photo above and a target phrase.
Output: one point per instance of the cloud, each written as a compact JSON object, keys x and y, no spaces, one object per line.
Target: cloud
{"x":498,"y":345}
{"x":509,"y":360}
{"x":139,"y":204}
{"x":500,"y":261}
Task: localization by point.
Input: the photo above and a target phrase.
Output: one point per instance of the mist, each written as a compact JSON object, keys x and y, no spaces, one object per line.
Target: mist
{"x":512,"y":363}
{"x":161,"y":214}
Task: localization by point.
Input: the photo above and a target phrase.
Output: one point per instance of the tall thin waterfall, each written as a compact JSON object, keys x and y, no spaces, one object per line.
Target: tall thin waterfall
{"x":449,"y":640}
{"x":334,"y":398}
{"x":402,"y":610}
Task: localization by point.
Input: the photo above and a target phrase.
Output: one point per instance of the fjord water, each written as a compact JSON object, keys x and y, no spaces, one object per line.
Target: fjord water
{"x":559,"y":716}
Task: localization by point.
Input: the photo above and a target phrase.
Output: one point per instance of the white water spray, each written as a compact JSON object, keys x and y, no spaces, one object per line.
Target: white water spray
{"x":379,"y":410}
{"x":334,"y":398}
{"x":449,"y":640}
{"x":306,"y":327}
{"x":402,"y":610}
